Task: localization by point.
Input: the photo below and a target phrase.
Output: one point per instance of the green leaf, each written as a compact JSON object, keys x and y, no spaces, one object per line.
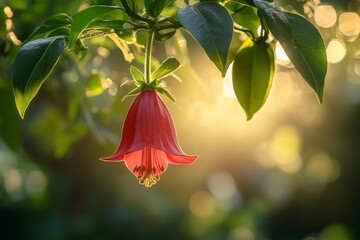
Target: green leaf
{"x":168,"y":66}
{"x":212,"y":26}
{"x":164,"y":92}
{"x":51,"y":24}
{"x":137,"y":75}
{"x":301,"y":41}
{"x":107,"y":24}
{"x":252,"y":74}
{"x":33,"y":64}
{"x":84,"y":18}
{"x":61,"y":31}
{"x":133,"y":92}
{"x":246,"y":17}
{"x":156,"y":7}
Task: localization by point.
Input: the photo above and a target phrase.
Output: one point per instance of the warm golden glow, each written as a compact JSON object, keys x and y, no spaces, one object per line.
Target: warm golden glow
{"x":349,"y":25}
{"x":14,"y":38}
{"x":8,"y":12}
{"x":285,"y":148}
{"x":9,"y":24}
{"x":104,"y":52}
{"x":325,"y":16}
{"x":281,"y":55}
{"x":335,"y":51}
{"x":227,"y":85}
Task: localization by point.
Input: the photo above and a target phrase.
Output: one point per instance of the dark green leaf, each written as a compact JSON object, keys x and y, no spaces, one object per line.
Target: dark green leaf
{"x":212,"y":26}
{"x":168,"y":66}
{"x":156,"y":7}
{"x":301,"y":41}
{"x":137,"y":75}
{"x":51,"y":24}
{"x":84,"y":18}
{"x":252,"y":74}
{"x":33,"y":64}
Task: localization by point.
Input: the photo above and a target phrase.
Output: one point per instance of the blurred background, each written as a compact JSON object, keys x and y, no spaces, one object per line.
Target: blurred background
{"x":292,"y":172}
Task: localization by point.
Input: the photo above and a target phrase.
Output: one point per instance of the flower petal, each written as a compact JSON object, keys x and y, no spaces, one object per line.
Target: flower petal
{"x":147,"y":161}
{"x":180,"y":159}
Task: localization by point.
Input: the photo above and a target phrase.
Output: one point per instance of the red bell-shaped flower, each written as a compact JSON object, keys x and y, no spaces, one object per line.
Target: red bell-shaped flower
{"x":148,"y":140}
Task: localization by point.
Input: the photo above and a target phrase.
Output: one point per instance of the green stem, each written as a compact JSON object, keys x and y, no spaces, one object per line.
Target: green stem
{"x":147,"y":64}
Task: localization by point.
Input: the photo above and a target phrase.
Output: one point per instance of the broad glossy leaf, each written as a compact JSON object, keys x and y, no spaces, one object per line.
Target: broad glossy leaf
{"x":253,"y":71}
{"x":33,"y":64}
{"x":301,"y":41}
{"x":168,"y":66}
{"x":212,"y":26}
{"x":51,"y":24}
{"x":84,"y":18}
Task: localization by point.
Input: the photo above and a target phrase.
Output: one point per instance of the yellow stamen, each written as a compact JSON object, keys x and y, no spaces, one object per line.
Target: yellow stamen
{"x":149,"y":180}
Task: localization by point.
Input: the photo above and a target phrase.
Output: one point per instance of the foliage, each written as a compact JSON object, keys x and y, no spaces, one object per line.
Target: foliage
{"x":212,"y":23}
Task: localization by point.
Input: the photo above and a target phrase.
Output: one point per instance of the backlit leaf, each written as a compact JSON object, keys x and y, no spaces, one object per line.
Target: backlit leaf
{"x":84,"y":18}
{"x":167,"y":67}
{"x":253,"y":71}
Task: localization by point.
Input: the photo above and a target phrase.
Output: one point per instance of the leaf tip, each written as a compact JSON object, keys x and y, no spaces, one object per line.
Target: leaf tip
{"x":249,"y":116}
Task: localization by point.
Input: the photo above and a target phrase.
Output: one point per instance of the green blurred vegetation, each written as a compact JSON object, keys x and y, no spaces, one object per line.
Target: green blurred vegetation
{"x":289,"y":173}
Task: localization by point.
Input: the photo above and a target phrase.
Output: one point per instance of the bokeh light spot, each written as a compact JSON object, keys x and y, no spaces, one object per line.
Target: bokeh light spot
{"x":222,"y":185}
{"x":8,"y":12}
{"x":335,"y":232}
{"x":325,"y":16}
{"x":12,"y":180}
{"x":35,"y":183}
{"x":241,"y":233}
{"x":104,"y":52}
{"x":202,"y":204}
{"x":285,"y":148}
{"x":335,"y":51}
{"x":349,"y":25}
{"x":321,"y":169}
